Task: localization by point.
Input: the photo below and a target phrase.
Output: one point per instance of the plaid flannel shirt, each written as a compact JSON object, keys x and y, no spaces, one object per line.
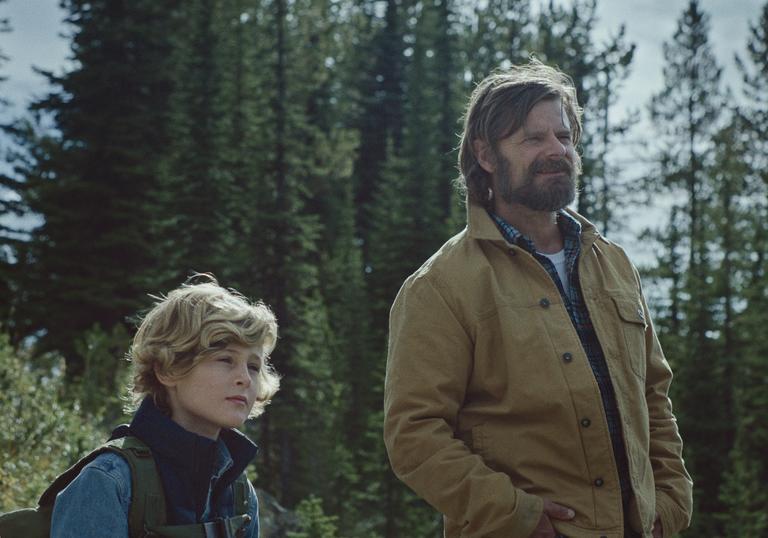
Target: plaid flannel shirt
{"x":577,"y":310}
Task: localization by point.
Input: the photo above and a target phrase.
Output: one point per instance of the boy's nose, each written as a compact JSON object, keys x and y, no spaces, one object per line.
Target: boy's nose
{"x":243,"y":376}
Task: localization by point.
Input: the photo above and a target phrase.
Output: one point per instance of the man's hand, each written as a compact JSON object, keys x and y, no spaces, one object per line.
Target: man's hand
{"x":658,"y":531}
{"x":551,"y":511}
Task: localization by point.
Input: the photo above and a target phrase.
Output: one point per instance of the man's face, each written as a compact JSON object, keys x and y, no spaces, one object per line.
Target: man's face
{"x":537,"y":166}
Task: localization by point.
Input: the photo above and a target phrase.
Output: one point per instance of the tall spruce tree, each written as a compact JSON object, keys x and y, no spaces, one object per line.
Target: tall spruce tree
{"x":686,"y":112}
{"x":613,"y":63}
{"x":10,"y":207}
{"x":410,"y":210}
{"x":306,"y":152}
{"x":198,"y":180}
{"x":742,"y":493}
{"x":494,"y":34}
{"x":380,"y":101}
{"x":91,"y":176}
{"x":754,"y":70}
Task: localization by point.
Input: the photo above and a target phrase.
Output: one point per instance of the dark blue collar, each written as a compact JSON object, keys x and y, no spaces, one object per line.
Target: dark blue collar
{"x":187,"y":461}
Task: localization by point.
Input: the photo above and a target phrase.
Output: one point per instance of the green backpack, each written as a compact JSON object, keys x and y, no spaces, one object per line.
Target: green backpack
{"x":146,"y":516}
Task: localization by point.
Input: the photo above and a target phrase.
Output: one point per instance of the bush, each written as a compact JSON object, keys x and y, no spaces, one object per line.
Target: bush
{"x":101,"y":387}
{"x":41,"y":433}
{"x":313,"y":523}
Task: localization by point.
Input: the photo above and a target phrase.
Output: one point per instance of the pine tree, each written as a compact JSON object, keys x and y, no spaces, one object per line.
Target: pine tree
{"x":197,"y":176}
{"x":613,"y":63}
{"x":309,"y":157}
{"x":743,"y":493}
{"x":687,"y":111}
{"x":10,"y":207}
{"x":381,"y":97}
{"x":92,"y":177}
{"x":754,"y":72}
{"x":495,"y":34}
{"x":743,"y":280}
{"x":410,"y":211}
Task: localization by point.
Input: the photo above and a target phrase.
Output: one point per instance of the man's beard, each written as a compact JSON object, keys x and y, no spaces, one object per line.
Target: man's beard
{"x":552,"y":194}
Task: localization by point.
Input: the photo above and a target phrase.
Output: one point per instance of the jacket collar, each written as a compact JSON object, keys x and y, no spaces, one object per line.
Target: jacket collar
{"x":188,"y":461}
{"x":480,"y":225}
{"x":189,"y":450}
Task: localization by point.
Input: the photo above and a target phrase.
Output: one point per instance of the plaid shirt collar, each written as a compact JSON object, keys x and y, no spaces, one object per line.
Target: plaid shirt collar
{"x":569,"y":227}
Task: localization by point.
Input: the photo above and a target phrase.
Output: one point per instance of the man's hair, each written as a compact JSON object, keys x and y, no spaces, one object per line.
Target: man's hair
{"x":499,"y":106}
{"x":188,"y":325}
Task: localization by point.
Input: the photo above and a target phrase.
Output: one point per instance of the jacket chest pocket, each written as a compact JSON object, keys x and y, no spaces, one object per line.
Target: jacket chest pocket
{"x":633,"y":325}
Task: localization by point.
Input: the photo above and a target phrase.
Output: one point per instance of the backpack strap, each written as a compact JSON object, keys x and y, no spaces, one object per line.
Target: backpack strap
{"x":147,"y":495}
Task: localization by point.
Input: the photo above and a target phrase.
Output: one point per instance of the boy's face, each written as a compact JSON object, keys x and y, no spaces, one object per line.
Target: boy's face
{"x":217,"y":393}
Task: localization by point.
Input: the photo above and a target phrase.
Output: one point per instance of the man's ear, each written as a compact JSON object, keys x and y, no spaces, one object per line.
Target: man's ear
{"x":484,"y":155}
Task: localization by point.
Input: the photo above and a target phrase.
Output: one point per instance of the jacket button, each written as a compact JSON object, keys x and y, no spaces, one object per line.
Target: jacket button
{"x":511,"y":252}
{"x":586,"y":422}
{"x":567,"y":357}
{"x":544,"y":302}
{"x":599,"y":482}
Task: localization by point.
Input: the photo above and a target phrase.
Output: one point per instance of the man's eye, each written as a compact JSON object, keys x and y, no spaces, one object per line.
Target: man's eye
{"x":253,"y":367}
{"x":227,"y":360}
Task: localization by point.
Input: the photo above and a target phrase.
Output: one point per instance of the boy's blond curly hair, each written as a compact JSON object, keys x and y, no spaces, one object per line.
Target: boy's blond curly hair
{"x":190,"y":323}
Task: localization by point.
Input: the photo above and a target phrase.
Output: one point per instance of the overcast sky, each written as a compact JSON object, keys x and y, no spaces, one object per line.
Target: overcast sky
{"x":36,"y":40}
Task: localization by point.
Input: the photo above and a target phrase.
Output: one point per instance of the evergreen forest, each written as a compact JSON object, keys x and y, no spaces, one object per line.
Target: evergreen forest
{"x":304,"y":152}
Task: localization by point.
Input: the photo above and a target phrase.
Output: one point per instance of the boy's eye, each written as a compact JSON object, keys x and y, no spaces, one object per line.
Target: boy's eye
{"x":254,"y":367}
{"x":225,"y":359}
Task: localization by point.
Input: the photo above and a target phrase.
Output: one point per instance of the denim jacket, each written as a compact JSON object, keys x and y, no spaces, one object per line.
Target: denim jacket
{"x":197,"y":476}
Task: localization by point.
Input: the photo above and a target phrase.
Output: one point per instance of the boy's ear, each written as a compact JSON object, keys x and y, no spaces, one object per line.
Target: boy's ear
{"x":484,"y":155}
{"x":165,"y":379}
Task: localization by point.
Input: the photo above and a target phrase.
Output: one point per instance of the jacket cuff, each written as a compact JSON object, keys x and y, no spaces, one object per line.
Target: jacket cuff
{"x":526,"y":517}
{"x":673,"y":520}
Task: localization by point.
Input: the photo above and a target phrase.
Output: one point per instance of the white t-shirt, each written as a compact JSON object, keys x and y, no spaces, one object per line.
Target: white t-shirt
{"x":558,"y":260}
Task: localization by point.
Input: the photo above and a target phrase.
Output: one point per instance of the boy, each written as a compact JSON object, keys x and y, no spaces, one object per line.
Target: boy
{"x":199,"y":365}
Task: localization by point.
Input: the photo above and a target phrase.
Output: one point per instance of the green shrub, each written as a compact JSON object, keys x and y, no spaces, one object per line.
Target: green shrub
{"x":101,"y":387}
{"x":41,"y":433}
{"x":313,"y":523}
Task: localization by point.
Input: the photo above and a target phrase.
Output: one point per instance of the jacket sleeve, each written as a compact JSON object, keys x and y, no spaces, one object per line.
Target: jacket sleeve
{"x":428,"y":369}
{"x":674,"y":488}
{"x":95,"y":503}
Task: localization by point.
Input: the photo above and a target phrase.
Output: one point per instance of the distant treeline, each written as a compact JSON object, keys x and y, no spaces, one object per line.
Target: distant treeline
{"x":303,"y":151}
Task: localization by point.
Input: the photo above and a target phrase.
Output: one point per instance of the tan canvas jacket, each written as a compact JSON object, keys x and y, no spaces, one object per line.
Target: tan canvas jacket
{"x":487,"y":389}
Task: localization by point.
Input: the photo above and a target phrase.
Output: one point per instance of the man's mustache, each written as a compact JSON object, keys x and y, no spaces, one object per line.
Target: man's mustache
{"x":551,"y":165}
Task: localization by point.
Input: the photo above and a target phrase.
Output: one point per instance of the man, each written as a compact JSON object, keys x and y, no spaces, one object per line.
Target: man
{"x":526,"y":392}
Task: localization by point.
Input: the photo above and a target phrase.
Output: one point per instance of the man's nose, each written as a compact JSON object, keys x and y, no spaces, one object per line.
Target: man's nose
{"x":555,"y":146}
